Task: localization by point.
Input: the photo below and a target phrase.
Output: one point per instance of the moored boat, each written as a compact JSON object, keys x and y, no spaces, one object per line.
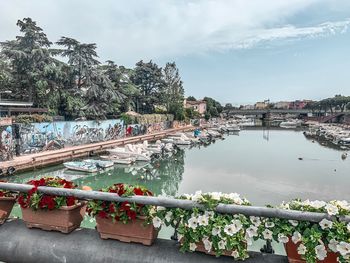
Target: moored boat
{"x":81,"y":166}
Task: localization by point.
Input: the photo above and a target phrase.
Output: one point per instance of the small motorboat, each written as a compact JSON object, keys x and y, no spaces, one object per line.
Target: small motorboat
{"x":81,"y":166}
{"x":99,"y":163}
{"x":119,"y":159}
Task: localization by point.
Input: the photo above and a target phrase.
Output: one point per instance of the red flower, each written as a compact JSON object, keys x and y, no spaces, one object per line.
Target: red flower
{"x":102,"y":214}
{"x":138,"y":191}
{"x":131,"y":214}
{"x":112,"y":208}
{"x":125,"y":206}
{"x":70,"y":200}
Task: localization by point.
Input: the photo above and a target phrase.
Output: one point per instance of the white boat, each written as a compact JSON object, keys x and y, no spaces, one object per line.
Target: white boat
{"x":81,"y":166}
{"x":99,"y":163}
{"x":119,"y":159}
{"x":291,"y":124}
{"x":125,"y":153}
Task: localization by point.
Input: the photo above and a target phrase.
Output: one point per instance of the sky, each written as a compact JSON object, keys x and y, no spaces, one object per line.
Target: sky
{"x":236,"y":51}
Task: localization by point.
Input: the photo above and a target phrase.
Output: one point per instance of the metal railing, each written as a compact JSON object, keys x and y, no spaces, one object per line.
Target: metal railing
{"x":177,"y":203}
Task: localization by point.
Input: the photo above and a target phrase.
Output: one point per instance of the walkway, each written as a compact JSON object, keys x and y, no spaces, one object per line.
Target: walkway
{"x":38,"y":160}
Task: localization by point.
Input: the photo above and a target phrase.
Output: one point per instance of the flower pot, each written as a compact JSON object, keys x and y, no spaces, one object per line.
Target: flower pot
{"x":294,"y":257}
{"x":65,"y":219}
{"x":6,"y":204}
{"x":134,"y":231}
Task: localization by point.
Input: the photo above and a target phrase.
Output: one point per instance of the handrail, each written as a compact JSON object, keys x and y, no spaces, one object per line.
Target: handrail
{"x":177,"y":203}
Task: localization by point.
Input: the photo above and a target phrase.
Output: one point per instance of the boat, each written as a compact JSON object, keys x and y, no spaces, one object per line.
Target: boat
{"x":99,"y":163}
{"x":81,"y":166}
{"x":122,"y":152}
{"x":119,"y":159}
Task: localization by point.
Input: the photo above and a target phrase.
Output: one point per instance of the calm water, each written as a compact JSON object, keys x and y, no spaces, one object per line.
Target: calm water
{"x":263,"y":166}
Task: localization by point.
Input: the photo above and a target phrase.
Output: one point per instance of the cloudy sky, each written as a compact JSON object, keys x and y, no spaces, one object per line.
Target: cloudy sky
{"x":237,"y":51}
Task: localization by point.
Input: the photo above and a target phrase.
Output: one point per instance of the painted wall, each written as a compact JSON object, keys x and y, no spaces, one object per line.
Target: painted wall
{"x":6,"y":143}
{"x":36,"y":137}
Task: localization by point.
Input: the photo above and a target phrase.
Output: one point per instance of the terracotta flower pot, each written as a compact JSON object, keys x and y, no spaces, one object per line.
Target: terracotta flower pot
{"x":64,"y":219}
{"x":6,"y":205}
{"x":134,"y":231}
{"x":294,"y":257}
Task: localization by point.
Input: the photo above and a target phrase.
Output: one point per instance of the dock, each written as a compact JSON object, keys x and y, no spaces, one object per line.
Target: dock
{"x":51,"y":157}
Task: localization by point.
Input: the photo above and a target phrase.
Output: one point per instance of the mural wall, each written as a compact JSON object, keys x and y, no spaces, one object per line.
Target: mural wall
{"x":36,"y":137}
{"x":6,"y":143}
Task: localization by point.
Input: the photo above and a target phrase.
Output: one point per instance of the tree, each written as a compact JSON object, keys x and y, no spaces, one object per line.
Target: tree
{"x":191,"y":98}
{"x":173,"y":93}
{"x":214,"y":107}
{"x":28,"y":56}
{"x":149,"y":80}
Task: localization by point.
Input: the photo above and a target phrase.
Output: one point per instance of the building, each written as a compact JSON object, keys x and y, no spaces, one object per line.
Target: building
{"x":282,"y":105}
{"x":298,"y":104}
{"x":261,"y":105}
{"x":199,"y":106}
{"x":247,"y":107}
{"x":10,"y":108}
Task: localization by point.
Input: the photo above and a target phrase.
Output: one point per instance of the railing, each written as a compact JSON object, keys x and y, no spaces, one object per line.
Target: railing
{"x":177,"y":203}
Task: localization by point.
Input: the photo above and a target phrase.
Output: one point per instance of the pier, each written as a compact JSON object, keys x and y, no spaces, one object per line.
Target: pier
{"x":45,"y":158}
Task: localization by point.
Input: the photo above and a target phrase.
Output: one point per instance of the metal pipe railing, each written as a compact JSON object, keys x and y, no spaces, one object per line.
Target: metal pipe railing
{"x":177,"y":203}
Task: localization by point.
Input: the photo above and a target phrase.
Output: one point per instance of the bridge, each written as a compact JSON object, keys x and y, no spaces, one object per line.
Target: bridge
{"x":267,"y":111}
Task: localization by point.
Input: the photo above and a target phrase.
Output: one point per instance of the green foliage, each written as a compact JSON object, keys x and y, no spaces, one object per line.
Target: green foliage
{"x":191,"y":98}
{"x":33,"y":118}
{"x":214,"y":107}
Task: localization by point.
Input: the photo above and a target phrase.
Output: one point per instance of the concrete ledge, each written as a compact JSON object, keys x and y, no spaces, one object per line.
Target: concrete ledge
{"x":19,"y":244}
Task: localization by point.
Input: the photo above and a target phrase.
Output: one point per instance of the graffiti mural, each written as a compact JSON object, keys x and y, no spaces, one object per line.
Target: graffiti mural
{"x":6,"y":145}
{"x":36,"y":137}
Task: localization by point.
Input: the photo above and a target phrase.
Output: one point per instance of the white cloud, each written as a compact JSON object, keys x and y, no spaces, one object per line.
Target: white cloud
{"x":129,"y":30}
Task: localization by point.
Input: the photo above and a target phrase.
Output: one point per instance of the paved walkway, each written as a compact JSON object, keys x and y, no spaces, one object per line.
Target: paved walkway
{"x":37,"y":160}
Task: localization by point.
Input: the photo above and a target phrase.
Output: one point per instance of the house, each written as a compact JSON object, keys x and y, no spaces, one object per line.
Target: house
{"x":261,"y":105}
{"x":298,"y":104}
{"x":199,"y":106}
{"x":282,"y":105}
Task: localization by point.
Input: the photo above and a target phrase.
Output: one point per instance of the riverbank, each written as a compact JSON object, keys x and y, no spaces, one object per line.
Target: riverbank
{"x":46,"y":158}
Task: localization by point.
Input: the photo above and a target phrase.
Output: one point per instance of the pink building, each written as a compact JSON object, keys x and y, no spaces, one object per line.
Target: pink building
{"x":200,"y":106}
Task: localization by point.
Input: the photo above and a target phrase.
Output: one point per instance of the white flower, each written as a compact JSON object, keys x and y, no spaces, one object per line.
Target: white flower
{"x":326,"y":224}
{"x":179,"y":237}
{"x":209,"y":214}
{"x":168,"y":216}
{"x":233,"y":228}
{"x":235,"y":254}
{"x":252,"y":231}
{"x":207,"y":244}
{"x":282,"y":238}
{"x":296,"y":238}
{"x":215,"y":231}
{"x":160,"y":208}
{"x":332,"y":209}
{"x":193,"y":246}
{"x":203,"y":220}
{"x":215,"y":196}
{"x":343,"y":248}
{"x":255,"y":220}
{"x":267,"y":234}
{"x":301,"y":249}
{"x":333,"y":245}
{"x":293,"y":222}
{"x":197,"y":196}
{"x":222,"y":244}
{"x":269,"y":224}
{"x":317,"y":204}
{"x":157,"y":222}
{"x":342,"y":204}
{"x":193,"y":222}
{"x":321,"y":252}
{"x":348,"y":227}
